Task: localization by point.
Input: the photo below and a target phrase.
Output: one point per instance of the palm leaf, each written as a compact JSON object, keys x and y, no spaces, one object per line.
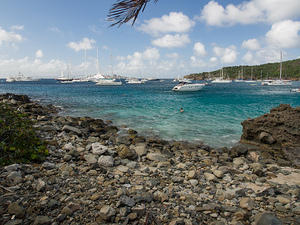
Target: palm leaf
{"x":125,"y":10}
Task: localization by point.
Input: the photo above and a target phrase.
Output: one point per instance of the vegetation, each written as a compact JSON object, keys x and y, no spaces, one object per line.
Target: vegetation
{"x":19,"y":142}
{"x":124,"y":10}
{"x":290,"y":70}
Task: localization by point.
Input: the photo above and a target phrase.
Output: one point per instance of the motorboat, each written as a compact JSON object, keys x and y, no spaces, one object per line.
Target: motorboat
{"x":276,"y":82}
{"x":134,"y":81}
{"x":188,"y":87}
{"x":295,"y":90}
{"x":108,"y":82}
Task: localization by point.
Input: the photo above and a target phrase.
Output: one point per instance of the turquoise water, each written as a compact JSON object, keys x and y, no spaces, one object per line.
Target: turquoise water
{"x":212,"y":115}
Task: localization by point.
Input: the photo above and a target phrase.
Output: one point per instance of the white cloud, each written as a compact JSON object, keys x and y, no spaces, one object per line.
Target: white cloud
{"x":82,"y":45}
{"x":17,"y":27}
{"x":9,"y":37}
{"x":172,"y":55}
{"x":35,"y":68}
{"x":250,"y":12}
{"x":55,"y":29}
{"x":198,"y":63}
{"x":213,"y":59}
{"x":248,"y":58}
{"x":172,"y":41}
{"x":226,"y":55}
{"x":39,"y":54}
{"x":251,"y":44}
{"x":174,"y":22}
{"x":284,"y":34}
{"x":199,"y":49}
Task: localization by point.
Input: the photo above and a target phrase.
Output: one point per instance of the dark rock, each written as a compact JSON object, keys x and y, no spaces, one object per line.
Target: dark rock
{"x":15,"y":209}
{"x":267,"y":219}
{"x":278,"y":131}
{"x":42,"y":220}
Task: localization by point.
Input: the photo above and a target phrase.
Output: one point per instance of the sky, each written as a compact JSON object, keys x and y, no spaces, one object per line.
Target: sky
{"x":169,"y":39}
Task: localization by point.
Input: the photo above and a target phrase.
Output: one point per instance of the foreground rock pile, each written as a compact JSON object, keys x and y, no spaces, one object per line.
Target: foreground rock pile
{"x":278,"y":132}
{"x":97,"y":173}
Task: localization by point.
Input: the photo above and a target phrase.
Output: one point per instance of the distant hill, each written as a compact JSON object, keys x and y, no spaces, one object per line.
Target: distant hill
{"x":290,"y":70}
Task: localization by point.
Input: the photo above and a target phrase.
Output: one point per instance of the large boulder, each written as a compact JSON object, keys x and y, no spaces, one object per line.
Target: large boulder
{"x":278,"y":130}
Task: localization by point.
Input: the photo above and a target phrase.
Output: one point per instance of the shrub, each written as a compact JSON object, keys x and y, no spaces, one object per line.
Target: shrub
{"x":19,"y":142}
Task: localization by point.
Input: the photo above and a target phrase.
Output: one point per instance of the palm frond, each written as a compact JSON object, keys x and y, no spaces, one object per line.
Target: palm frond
{"x":124,"y":10}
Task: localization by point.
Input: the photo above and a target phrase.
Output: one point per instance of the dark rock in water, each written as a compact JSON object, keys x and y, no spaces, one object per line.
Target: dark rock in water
{"x":282,"y":123}
{"x":20,"y":98}
{"x":267,"y":219}
{"x":278,"y":130}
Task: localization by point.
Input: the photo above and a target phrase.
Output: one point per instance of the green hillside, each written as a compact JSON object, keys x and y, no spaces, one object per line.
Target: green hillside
{"x":290,"y":70}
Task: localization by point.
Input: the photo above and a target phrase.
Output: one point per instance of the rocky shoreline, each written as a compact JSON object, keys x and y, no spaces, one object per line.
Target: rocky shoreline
{"x":97,"y":173}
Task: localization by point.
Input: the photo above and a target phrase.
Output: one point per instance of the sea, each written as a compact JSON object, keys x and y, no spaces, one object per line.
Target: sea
{"x":212,"y":115}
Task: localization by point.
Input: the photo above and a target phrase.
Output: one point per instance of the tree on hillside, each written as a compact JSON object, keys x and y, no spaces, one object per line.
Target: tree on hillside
{"x":124,"y":10}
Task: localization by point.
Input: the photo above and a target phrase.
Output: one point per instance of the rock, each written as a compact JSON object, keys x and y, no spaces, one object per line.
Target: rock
{"x":66,"y":211}
{"x":283,"y":199}
{"x":192,"y":174}
{"x":132,"y":216}
{"x":106,"y":161}
{"x":238,"y":161}
{"x":98,"y":149}
{"x":126,"y":201}
{"x":68,"y":147}
{"x":123,"y":169}
{"x":126,"y":153}
{"x":12,"y":167}
{"x":14,"y":222}
{"x":90,"y":158}
{"x":218,"y":173}
{"x":266,"y":138}
{"x":42,"y":220}
{"x":15,"y":177}
{"x":48,"y":165}
{"x":15,"y":209}
{"x":209,"y":176}
{"x":160,"y":196}
{"x":177,"y":222}
{"x":279,"y":130}
{"x":267,"y":219}
{"x":193,"y":182}
{"x":40,"y":185}
{"x":158,"y":157}
{"x":140,"y":149}
{"x":247,"y":203}
{"x":72,"y":129}
{"x":107,"y":212}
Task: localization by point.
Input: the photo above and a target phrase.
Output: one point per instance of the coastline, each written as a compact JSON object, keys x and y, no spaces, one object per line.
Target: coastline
{"x":97,"y":173}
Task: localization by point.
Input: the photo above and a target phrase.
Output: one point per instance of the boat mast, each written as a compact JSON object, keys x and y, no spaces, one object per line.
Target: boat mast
{"x":98,"y":71}
{"x":280,"y":63}
{"x":85,"y":62}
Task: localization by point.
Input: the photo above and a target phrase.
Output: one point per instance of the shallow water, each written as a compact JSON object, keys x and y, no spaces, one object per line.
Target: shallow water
{"x":212,"y":115}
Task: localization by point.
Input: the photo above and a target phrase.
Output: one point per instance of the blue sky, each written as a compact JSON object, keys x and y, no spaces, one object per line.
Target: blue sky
{"x":43,"y":38}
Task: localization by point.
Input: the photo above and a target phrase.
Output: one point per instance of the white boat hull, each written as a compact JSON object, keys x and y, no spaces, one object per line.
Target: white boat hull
{"x":188,"y":87}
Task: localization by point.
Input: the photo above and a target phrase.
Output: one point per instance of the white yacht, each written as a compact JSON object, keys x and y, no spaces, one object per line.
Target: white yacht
{"x":221,"y":79}
{"x":134,"y":81}
{"x":188,"y":87}
{"x":20,"y":77}
{"x":108,"y":82}
{"x":279,"y":82}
